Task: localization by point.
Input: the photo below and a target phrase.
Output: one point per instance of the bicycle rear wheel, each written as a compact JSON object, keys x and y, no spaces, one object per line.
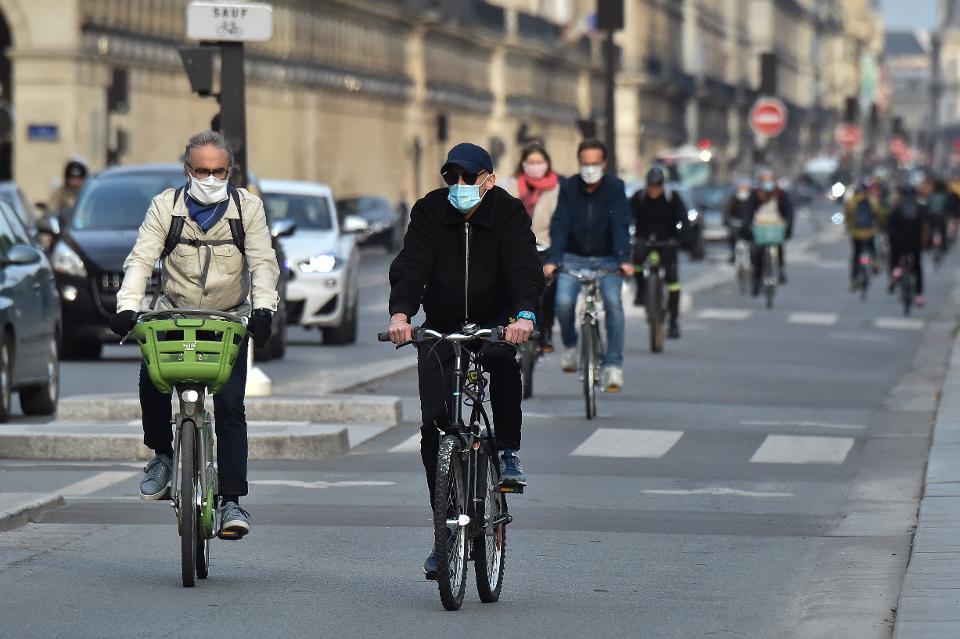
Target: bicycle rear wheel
{"x":189,"y":527}
{"x":770,"y":275}
{"x":489,"y":547}
{"x":588,"y":356}
{"x":906,"y":292}
{"x":654,"y":298}
{"x":450,"y":537}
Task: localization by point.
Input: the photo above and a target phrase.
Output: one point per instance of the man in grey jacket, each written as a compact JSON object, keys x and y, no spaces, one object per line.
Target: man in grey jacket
{"x":222,"y":258}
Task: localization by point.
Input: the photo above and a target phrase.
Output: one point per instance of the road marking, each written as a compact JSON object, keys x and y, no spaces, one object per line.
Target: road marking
{"x":718,"y":491}
{"x":97,"y":482}
{"x":800,"y":423}
{"x":295,"y":483}
{"x":409,"y":445}
{"x":623,"y":442}
{"x":796,"y":449}
{"x":815,"y":319}
{"x":899,"y":323}
{"x":860,"y":337}
{"x":731,"y":314}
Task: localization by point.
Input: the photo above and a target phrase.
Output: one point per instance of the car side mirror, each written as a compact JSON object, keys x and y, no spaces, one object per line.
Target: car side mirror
{"x":49,"y":225}
{"x":355,"y":224}
{"x":20,"y":255}
{"x":283,"y":228}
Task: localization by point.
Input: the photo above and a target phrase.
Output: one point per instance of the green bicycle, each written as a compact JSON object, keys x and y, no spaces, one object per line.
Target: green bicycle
{"x":192,"y":351}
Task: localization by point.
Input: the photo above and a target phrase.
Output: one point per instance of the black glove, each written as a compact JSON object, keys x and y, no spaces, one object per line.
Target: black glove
{"x":260,"y":326}
{"x":123,"y":322}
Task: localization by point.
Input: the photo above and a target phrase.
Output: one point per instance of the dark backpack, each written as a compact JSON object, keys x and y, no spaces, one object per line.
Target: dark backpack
{"x":863,"y":217}
{"x":909,"y":209}
{"x":938,"y":203}
{"x":176,"y":227}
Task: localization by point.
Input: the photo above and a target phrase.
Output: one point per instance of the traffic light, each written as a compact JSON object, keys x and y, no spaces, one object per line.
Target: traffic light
{"x":609,"y":15}
{"x":198,"y":63}
{"x":768,"y":74}
{"x":851,"y":109}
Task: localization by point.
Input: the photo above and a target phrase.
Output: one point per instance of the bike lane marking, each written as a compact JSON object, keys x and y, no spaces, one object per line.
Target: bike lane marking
{"x":409,"y":445}
{"x":97,"y":482}
{"x":899,"y":323}
{"x":624,"y":442}
{"x":814,"y":319}
{"x":731,"y":314}
{"x":802,"y":449}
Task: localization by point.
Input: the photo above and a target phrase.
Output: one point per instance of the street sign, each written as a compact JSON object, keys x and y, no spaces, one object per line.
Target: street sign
{"x":229,"y":21}
{"x":768,"y":117}
{"x":849,"y":135}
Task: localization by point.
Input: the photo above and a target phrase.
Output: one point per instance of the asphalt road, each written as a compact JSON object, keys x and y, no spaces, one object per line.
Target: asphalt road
{"x":757,"y":479}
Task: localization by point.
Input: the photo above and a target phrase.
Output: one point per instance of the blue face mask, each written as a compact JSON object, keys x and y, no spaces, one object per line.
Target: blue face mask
{"x":465,"y":197}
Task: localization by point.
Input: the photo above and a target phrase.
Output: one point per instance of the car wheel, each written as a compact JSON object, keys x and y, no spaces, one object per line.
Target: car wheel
{"x":6,"y":369}
{"x":42,"y":400}
{"x":78,"y":349}
{"x":346,"y":333}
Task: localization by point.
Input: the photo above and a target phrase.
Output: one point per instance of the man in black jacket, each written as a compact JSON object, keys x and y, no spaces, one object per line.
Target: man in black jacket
{"x":590,"y":230}
{"x":469,"y":257}
{"x":659,"y":215}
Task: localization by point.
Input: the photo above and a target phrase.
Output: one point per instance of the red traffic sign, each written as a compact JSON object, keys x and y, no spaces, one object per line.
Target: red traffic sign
{"x":768,"y":117}
{"x":956,"y":144}
{"x":849,"y":135}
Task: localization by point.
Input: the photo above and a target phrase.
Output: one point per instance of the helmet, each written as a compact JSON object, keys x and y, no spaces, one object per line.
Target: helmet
{"x":655,"y":176}
{"x":75,"y":168}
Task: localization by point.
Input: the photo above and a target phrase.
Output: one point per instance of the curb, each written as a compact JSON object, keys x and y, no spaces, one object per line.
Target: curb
{"x":929,"y":603}
{"x":351,"y":409}
{"x":17,"y":509}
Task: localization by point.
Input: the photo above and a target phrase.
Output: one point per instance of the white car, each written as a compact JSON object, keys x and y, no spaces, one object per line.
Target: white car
{"x":324,"y":260}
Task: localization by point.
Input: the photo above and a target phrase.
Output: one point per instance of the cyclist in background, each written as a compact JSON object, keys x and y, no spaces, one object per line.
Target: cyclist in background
{"x":736,"y":211}
{"x":861,"y":221}
{"x":768,"y":203}
{"x":905,"y":230}
{"x":659,"y":215}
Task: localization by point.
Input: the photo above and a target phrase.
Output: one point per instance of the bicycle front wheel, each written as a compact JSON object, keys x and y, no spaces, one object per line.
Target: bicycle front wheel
{"x":655,"y":318}
{"x":489,"y":547}
{"x":189,"y":537}
{"x":450,"y":532}
{"x":588,"y":356}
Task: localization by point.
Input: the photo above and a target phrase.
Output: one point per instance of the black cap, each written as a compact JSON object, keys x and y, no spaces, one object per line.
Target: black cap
{"x":469,"y":157}
{"x":75,"y":169}
{"x":655,"y":176}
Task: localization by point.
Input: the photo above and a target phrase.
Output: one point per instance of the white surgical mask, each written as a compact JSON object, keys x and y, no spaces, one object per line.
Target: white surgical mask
{"x":209,"y":190}
{"x":591,"y":173}
{"x":535,"y":170}
{"x":743,"y":196}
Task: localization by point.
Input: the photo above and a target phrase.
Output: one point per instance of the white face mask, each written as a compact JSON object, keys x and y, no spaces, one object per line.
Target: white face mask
{"x":209,"y":190}
{"x":591,"y":173}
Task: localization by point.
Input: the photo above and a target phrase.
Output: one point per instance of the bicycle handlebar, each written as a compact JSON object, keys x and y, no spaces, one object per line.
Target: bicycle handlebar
{"x":193,"y":312}
{"x":590,"y":275}
{"x":421,"y":334}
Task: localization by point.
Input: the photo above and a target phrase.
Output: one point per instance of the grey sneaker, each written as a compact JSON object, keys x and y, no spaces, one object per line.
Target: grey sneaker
{"x":234,"y":521}
{"x":156,"y":477}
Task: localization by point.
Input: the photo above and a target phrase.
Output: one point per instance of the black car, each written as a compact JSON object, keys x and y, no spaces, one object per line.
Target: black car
{"x":96,"y":237}
{"x":30,"y":319}
{"x":386,"y":222}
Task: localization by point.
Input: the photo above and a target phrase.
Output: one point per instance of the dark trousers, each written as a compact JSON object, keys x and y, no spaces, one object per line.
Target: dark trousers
{"x":859,"y":247}
{"x":671,"y":275}
{"x":547,"y":314}
{"x":435,"y":367}
{"x":897,"y":251}
{"x":230,"y":423}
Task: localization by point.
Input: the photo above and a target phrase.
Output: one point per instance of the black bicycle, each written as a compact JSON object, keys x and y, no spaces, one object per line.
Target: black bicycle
{"x":655,"y":295}
{"x":469,"y":507}
{"x":907,"y":282}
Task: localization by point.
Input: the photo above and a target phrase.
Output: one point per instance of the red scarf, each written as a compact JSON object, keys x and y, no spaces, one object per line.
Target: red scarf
{"x":530,"y":190}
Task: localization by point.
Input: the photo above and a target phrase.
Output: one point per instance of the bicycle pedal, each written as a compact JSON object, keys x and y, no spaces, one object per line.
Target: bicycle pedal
{"x":512,"y":488}
{"x":230,"y":535}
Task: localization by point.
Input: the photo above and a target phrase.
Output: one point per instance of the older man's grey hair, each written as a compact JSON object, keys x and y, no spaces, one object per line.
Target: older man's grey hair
{"x":207,"y":138}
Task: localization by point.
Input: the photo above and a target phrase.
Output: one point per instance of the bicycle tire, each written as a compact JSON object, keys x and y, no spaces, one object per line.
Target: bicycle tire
{"x":654,"y":296}
{"x":597,"y":351}
{"x":188,"y":508}
{"x":528,"y":359}
{"x":450,"y":501}
{"x":906,"y":292}
{"x":489,"y":551}
{"x":769,"y":275}
{"x":589,"y":371}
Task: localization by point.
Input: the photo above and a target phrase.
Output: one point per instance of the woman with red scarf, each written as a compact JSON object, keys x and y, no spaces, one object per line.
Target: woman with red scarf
{"x":538,"y":187}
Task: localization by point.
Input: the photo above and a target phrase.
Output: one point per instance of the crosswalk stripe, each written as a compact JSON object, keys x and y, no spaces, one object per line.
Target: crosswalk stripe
{"x":899,"y":323}
{"x":97,"y":482}
{"x":624,"y":442}
{"x":409,"y":445}
{"x":732,"y":314}
{"x":815,"y":319}
{"x":798,"y":449}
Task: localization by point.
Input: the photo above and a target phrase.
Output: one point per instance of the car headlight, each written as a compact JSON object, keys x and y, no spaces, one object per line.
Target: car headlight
{"x":323,"y":263}
{"x":837,"y":190}
{"x":65,"y":260}
{"x":693,"y":214}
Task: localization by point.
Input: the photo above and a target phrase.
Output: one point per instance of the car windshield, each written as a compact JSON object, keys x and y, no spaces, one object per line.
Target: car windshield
{"x":308,"y":211}
{"x":363,"y":206}
{"x":711,"y":197}
{"x":119,"y":202}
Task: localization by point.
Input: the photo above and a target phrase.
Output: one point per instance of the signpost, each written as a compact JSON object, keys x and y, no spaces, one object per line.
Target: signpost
{"x":768,"y":117}
{"x":227,"y":26}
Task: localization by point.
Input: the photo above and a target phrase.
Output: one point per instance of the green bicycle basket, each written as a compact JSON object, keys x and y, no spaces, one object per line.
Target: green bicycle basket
{"x":193,"y":350}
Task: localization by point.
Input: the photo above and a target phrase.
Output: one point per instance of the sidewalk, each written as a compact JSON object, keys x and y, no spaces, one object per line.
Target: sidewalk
{"x":930,"y":597}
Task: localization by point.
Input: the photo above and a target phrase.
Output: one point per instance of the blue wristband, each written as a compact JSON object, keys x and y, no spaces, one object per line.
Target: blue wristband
{"x":527,"y":315}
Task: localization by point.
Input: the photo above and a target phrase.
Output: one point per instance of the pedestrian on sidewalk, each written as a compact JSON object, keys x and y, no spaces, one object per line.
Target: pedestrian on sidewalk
{"x":538,"y":187}
{"x":469,"y":257}
{"x":206,"y":212}
{"x":591,"y":230}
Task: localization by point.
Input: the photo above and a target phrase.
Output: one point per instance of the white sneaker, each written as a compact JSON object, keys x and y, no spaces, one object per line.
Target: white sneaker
{"x":612,"y":379}
{"x":570,"y":360}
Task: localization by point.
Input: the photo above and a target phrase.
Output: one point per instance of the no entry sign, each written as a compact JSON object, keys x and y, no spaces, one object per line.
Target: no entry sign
{"x":768,"y":117}
{"x":849,"y":135}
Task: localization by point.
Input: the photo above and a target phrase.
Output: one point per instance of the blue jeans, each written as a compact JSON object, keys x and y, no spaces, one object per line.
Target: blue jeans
{"x":568,"y":288}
